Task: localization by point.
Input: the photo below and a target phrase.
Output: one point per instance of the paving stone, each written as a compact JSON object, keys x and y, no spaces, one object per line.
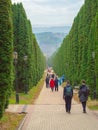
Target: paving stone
{"x":48,"y":113}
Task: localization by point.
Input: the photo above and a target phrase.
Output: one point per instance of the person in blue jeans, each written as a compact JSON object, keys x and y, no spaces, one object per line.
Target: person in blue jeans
{"x":67,"y":96}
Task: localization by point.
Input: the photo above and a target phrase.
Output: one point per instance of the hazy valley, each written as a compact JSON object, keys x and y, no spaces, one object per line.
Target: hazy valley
{"x":50,"y":38}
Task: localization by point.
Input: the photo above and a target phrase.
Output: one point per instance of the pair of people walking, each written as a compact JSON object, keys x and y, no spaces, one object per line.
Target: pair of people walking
{"x":54,"y":83}
{"x":68,"y":94}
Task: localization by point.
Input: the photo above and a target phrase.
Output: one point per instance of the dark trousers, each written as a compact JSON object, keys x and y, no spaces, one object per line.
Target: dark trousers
{"x":56,"y":88}
{"x":84,"y":106}
{"x":52,"y":89}
{"x":68,"y":103}
{"x":47,"y":85}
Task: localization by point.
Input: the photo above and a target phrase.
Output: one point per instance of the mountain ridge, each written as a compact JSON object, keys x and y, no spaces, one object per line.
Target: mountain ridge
{"x":50,"y":38}
{"x":63,"y":29}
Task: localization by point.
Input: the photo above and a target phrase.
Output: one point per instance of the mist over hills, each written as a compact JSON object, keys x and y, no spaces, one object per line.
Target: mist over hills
{"x":54,"y":29}
{"x":50,"y":38}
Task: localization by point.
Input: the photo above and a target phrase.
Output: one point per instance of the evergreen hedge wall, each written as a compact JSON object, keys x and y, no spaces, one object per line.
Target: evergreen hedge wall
{"x":25,"y":44}
{"x":6,"y":49}
{"x":74,"y":58}
{"x":16,"y":35}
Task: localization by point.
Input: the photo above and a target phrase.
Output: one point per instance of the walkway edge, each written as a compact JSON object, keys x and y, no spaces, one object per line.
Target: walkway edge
{"x":22,"y":123}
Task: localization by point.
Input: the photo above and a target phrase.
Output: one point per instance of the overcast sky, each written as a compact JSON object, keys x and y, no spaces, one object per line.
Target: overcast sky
{"x":51,"y":12}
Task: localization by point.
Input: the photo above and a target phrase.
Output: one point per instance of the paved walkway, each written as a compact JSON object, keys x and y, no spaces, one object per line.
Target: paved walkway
{"x":48,"y":113}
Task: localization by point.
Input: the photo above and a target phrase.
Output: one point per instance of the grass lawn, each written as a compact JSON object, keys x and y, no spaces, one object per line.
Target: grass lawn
{"x":30,"y":97}
{"x":92,"y":104}
{"x":95,"y":107}
{"x":10,"y":121}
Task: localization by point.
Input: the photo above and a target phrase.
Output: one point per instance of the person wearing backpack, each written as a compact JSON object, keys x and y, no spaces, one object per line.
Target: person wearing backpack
{"x":67,"y":96}
{"x":83,"y":95}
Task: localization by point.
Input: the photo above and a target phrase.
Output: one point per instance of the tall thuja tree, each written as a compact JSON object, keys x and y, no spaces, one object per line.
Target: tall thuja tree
{"x":92,"y":7}
{"x":86,"y":55}
{"x":39,"y":61}
{"x":6,"y":48}
{"x":21,"y":41}
{"x":31,"y":57}
{"x":34,"y":72}
{"x":96,"y":49}
{"x":56,"y":66}
{"x":75,"y":51}
{"x":94,"y":32}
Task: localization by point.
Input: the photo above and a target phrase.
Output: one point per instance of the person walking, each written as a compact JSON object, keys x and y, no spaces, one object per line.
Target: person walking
{"x":59,"y":81}
{"x":56,"y":83}
{"x":63,"y":78}
{"x":47,"y":81}
{"x":83,"y":95}
{"x":67,"y":96}
{"x":52,"y":83}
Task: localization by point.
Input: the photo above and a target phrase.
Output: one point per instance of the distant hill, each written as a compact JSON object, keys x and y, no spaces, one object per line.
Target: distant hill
{"x":49,"y":41}
{"x":50,"y":38}
{"x":60,"y":29}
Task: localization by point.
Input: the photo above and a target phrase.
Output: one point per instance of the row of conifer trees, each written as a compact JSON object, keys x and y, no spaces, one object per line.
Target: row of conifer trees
{"x":77,"y":57}
{"x":16,"y":35}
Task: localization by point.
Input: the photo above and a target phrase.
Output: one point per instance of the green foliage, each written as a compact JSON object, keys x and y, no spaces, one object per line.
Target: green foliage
{"x":20,"y":33}
{"x":6,"y":59}
{"x":93,"y":107}
{"x":10,"y":121}
{"x":28,"y":72}
{"x":32,"y":94}
{"x":74,"y":57}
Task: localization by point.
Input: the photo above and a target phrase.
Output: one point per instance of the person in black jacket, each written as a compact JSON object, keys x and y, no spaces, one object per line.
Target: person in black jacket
{"x":56,"y":84}
{"x":47,"y":80}
{"x":83,"y":95}
{"x":67,"y":96}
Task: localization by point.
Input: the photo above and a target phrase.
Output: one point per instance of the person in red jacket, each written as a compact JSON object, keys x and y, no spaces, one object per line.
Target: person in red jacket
{"x":52,"y":83}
